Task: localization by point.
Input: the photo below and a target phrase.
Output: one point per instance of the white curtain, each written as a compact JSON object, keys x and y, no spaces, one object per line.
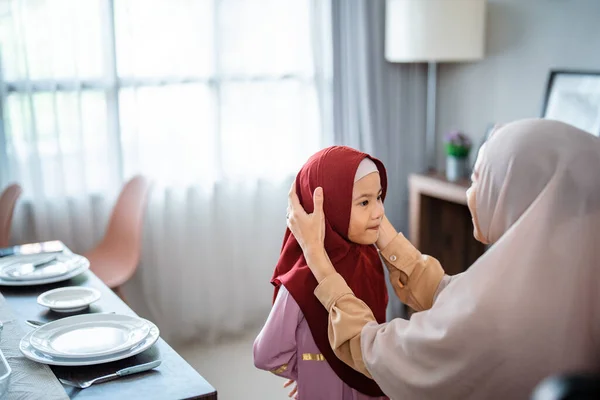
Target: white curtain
{"x":219,"y":102}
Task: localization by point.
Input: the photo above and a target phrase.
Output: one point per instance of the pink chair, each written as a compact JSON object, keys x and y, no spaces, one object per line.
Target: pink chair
{"x":115,"y":259}
{"x":7,"y":206}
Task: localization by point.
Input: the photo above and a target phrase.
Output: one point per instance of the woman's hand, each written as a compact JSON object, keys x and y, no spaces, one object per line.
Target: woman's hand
{"x":309,"y":231}
{"x":386,"y":233}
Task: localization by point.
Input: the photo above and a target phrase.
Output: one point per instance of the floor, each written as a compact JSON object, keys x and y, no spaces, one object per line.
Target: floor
{"x":230,"y":369}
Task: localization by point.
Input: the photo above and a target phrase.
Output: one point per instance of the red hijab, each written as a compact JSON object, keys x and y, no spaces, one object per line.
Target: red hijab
{"x":334,"y":169}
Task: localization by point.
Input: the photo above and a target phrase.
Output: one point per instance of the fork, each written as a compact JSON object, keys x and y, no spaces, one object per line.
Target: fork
{"x":122,"y":372}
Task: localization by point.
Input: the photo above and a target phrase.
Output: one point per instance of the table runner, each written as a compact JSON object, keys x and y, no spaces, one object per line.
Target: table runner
{"x":29,"y":379}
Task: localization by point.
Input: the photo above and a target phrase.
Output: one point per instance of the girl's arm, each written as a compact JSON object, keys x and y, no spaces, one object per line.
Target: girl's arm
{"x":275,"y":346}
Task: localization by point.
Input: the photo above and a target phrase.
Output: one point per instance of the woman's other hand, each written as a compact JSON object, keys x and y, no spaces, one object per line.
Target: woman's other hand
{"x":308,"y":229}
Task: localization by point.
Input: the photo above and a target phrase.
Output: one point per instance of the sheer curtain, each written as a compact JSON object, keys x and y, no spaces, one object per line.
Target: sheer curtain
{"x":219,"y":102}
{"x":379,"y":106}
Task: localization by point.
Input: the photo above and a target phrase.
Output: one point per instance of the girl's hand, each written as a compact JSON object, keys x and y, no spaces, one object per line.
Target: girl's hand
{"x":294,"y":392}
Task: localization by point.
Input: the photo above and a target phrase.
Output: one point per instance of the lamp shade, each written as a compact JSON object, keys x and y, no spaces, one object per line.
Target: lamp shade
{"x":434,"y":30}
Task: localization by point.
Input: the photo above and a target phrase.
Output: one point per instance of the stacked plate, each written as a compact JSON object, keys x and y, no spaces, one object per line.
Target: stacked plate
{"x":89,"y":339}
{"x":40,"y":269}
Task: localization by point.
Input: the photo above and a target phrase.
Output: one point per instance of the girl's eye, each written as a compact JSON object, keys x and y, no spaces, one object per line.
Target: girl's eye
{"x":379,"y":197}
{"x":365,"y":203}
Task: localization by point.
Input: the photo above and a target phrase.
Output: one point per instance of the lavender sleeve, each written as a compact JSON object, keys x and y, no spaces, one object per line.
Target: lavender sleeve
{"x":275,"y":346}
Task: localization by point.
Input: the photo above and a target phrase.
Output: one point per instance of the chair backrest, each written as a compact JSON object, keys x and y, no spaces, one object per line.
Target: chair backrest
{"x":124,"y":232}
{"x":8,"y":199}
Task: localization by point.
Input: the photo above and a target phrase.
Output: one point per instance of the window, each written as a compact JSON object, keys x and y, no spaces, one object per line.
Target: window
{"x":184,"y":91}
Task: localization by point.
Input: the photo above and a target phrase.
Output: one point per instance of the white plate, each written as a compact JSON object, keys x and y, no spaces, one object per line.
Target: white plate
{"x":89,"y":335}
{"x":68,"y":299}
{"x":30,"y":352}
{"x":82,"y":266}
{"x":38,"y":266}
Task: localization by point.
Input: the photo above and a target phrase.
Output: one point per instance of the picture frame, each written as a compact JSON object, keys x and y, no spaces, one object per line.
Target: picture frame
{"x":573,"y":97}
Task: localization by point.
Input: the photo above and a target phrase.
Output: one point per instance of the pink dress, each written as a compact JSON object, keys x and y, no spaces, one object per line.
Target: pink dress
{"x":286,"y":348}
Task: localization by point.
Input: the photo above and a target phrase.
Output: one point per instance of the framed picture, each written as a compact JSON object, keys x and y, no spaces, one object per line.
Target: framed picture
{"x":574,"y":97}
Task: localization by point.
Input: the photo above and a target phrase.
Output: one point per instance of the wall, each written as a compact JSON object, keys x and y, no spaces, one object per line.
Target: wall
{"x":525,"y":39}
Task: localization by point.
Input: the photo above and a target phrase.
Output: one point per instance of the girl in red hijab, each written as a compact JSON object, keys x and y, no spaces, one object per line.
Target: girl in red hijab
{"x":294,"y":342}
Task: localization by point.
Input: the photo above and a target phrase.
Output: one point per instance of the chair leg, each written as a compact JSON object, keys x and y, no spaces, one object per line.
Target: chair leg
{"x":119,"y":292}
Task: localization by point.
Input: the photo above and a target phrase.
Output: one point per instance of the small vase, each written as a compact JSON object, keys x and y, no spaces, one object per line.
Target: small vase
{"x":457,"y":168}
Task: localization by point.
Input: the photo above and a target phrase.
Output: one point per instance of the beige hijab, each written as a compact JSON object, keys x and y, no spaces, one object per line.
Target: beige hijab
{"x":530,"y":306}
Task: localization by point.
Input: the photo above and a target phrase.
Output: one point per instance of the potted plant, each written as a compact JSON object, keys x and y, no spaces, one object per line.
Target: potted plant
{"x":458,"y":146}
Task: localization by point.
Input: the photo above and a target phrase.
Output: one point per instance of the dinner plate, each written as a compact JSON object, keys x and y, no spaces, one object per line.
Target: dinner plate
{"x":69,"y":299}
{"x":31,"y":353}
{"x":89,"y":335}
{"x":37,"y":266}
{"x":77,"y":265}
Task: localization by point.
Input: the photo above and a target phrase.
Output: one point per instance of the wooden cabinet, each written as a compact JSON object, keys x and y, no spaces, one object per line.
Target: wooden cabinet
{"x":440,"y":221}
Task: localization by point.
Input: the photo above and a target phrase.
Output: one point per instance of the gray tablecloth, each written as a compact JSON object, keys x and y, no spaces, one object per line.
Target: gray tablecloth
{"x":29,"y":380}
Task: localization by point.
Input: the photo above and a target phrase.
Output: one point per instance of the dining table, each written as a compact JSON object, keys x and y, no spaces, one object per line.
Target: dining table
{"x":174,"y":378}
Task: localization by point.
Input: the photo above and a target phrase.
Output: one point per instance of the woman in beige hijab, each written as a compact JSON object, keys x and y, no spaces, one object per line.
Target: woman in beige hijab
{"x":527,"y":309}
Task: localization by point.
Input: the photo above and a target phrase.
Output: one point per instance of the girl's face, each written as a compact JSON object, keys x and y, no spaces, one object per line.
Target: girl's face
{"x":367,"y":210}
